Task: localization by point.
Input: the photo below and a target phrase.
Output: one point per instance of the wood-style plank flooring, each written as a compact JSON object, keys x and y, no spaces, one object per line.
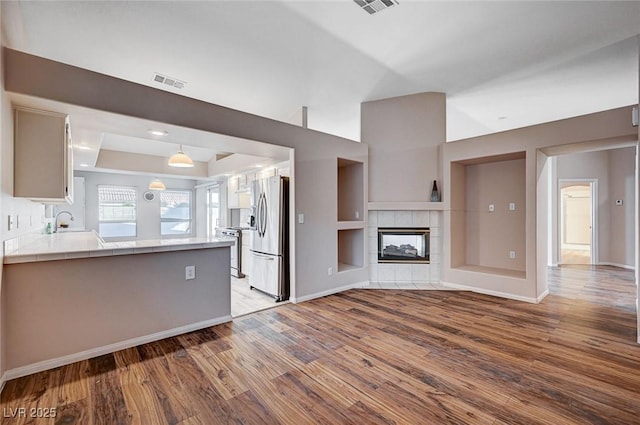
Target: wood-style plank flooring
{"x":374,"y":357}
{"x":575,"y":256}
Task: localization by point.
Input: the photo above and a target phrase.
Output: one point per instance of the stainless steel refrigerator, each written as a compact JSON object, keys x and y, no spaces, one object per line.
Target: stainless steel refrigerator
{"x":269,"y":248}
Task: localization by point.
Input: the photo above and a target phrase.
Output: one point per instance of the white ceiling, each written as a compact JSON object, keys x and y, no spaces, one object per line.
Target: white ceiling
{"x":502,"y":64}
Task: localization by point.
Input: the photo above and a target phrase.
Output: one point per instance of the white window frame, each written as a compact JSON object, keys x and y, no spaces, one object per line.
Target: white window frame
{"x":134,"y":220}
{"x":178,"y":220}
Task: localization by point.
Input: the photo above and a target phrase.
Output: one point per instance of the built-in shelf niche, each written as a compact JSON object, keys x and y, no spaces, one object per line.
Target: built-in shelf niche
{"x":350,"y":215}
{"x":483,"y":228}
{"x":350,"y":249}
{"x":350,"y":190}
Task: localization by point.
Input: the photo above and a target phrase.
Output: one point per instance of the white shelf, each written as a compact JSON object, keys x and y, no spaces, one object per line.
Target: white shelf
{"x":342,"y":267}
{"x":405,"y":206}
{"x":348,"y":225}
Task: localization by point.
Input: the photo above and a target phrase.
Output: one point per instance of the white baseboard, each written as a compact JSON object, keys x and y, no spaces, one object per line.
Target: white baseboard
{"x":494,"y":293}
{"x":330,"y":292}
{"x":542,"y":296}
{"x":111,"y":348}
{"x":622,"y":266}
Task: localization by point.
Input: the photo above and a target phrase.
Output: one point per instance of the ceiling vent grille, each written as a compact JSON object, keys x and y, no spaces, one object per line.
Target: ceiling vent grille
{"x":375,"y":6}
{"x":169,"y":81}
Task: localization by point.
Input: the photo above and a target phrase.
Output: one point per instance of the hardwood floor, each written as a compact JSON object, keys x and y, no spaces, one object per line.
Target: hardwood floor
{"x":575,"y":256}
{"x":374,"y":357}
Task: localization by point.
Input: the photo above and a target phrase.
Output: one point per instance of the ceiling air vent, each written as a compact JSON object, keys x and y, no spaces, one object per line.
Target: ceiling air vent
{"x":169,"y":81}
{"x":374,"y":6}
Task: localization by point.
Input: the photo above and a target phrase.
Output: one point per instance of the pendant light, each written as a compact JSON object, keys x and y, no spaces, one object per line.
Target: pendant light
{"x":180,"y":160}
{"x":156,"y":184}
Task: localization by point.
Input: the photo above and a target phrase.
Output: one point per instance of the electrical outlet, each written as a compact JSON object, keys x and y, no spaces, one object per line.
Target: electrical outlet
{"x":330,"y":271}
{"x":512,"y":255}
{"x":301,"y":218}
{"x":492,"y":207}
{"x":189,"y":272}
{"x":357,"y":215}
{"x":512,"y":206}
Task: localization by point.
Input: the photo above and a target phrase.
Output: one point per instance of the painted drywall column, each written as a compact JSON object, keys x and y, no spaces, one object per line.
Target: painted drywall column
{"x":404,"y":134}
{"x":543,"y":219}
{"x":637,"y":203}
{"x":621,"y":165}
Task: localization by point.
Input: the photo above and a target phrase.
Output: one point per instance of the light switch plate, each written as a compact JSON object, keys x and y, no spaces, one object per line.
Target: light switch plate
{"x":301,"y":218}
{"x":10,"y":222}
{"x":512,"y":206}
{"x":492,"y":207}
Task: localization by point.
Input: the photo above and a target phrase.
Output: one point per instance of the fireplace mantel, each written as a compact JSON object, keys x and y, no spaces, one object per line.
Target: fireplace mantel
{"x":405,"y":206}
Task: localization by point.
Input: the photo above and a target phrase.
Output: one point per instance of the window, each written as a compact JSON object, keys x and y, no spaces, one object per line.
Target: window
{"x":116,"y":211}
{"x":175,"y":212}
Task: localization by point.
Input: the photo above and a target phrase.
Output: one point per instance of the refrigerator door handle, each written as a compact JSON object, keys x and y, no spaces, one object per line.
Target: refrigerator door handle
{"x":263,"y":214}
{"x":259,"y":215}
{"x":264,"y":257}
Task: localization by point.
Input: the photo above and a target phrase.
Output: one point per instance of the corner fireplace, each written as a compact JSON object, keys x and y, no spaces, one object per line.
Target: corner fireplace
{"x":403,"y":245}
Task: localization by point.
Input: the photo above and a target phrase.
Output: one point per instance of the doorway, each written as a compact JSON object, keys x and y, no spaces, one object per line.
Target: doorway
{"x":577,"y":221}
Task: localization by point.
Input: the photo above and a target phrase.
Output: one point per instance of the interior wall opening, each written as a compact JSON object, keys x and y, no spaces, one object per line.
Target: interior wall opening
{"x":576,"y":222}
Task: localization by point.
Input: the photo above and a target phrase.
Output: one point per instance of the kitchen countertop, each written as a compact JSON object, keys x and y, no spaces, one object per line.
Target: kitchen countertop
{"x":70,"y":245}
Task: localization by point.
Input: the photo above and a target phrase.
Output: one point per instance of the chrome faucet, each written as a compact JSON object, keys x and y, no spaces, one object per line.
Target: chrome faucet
{"x":55,"y":227}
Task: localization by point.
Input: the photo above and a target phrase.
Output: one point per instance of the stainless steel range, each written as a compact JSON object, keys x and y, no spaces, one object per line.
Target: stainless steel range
{"x":236,"y":251}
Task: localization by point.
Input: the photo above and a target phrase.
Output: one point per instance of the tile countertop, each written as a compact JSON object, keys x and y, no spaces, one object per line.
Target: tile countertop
{"x":69,"y":245}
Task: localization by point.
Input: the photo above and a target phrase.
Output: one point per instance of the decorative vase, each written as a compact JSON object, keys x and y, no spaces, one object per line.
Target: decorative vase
{"x":435,"y":195}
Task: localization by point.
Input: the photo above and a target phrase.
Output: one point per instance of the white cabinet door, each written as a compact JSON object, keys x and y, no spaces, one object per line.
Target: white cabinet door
{"x":43,"y":156}
{"x":232,"y":192}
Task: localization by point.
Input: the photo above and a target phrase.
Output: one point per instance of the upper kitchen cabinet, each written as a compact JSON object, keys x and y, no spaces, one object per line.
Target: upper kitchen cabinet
{"x":43,"y":156}
{"x":238,"y":193}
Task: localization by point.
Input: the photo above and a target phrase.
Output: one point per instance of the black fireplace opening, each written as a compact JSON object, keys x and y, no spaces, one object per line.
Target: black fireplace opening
{"x":403,"y":245}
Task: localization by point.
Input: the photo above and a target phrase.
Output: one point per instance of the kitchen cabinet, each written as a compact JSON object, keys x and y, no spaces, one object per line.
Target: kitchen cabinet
{"x":247,"y":258}
{"x":238,"y":193}
{"x":43,"y":156}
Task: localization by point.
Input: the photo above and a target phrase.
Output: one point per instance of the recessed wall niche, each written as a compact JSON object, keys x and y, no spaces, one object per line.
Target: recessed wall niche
{"x":488,"y":214}
{"x":350,"y":190}
{"x":350,"y":215}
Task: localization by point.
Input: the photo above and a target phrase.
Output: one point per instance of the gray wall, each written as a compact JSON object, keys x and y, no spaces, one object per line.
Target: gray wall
{"x":498,"y":183}
{"x":615,"y":171}
{"x":62,"y":308}
{"x":148,"y":212}
{"x":404,"y":135}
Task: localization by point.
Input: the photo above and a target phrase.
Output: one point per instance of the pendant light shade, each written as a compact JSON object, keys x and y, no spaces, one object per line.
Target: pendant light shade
{"x":180,"y":160}
{"x":156,"y":184}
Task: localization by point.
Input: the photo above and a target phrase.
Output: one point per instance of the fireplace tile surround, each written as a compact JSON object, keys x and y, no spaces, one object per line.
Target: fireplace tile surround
{"x":405,"y":276}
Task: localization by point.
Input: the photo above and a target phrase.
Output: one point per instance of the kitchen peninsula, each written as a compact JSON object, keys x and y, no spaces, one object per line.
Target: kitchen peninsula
{"x":71,"y":296}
